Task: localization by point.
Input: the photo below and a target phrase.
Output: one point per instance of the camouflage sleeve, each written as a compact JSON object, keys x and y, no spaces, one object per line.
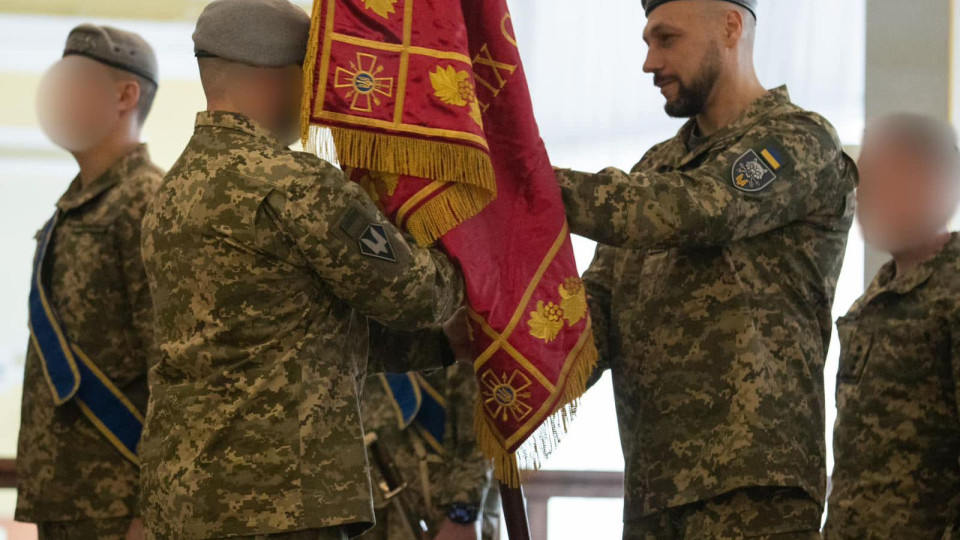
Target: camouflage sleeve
{"x":740,"y":195}
{"x":466,"y":473}
{"x":952,"y":532}
{"x":361,"y":256}
{"x":598,"y":280}
{"x":394,"y":351}
{"x":138,"y":292}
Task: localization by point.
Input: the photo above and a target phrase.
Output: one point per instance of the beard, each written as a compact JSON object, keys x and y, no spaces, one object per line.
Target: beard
{"x":692,"y":98}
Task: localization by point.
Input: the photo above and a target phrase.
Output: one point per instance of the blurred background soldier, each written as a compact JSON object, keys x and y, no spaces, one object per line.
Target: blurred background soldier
{"x":712,"y":287}
{"x":85,"y":384}
{"x":264,"y":265}
{"x":897,"y":437}
{"x":432,"y":442}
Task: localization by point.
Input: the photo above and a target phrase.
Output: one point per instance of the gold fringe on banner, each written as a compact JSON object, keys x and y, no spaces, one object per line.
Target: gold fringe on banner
{"x":537,"y":448}
{"x":445,"y":211}
{"x":399,"y":154}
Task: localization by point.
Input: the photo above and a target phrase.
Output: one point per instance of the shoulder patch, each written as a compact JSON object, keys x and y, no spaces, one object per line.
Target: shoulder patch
{"x":372,"y":238}
{"x":755,"y":170}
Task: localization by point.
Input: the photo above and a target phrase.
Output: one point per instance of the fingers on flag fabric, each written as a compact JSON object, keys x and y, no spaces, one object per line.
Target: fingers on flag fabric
{"x":428,"y":109}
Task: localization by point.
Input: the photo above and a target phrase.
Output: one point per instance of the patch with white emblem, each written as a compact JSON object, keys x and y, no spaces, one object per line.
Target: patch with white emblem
{"x":754,"y":171}
{"x":374,"y":243}
{"x":371,"y":238}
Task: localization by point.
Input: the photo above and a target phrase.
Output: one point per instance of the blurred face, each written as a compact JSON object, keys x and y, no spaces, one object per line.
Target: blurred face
{"x":684,"y":56}
{"x":903,"y":199}
{"x":78,"y":103}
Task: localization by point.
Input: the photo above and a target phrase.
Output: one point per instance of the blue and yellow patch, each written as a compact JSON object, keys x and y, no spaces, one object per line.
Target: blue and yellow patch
{"x":756,"y":170}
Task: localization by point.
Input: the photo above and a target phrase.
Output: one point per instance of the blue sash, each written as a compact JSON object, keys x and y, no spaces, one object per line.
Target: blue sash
{"x":71,"y":374}
{"x":418,"y":404}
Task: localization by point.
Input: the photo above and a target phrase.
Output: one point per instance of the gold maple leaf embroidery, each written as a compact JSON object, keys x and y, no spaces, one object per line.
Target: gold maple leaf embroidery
{"x":455,"y":87}
{"x":574,"y":300}
{"x":546,"y":322}
{"x":383,"y":8}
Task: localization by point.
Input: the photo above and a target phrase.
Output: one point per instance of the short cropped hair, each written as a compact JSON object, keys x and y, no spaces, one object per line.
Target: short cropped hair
{"x":148,"y":92}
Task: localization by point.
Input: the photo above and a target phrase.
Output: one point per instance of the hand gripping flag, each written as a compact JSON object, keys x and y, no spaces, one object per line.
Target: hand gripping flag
{"x":425,"y":104}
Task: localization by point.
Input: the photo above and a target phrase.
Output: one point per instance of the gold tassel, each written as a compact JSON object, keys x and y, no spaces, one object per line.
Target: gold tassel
{"x":542,"y":442}
{"x":445,"y":211}
{"x":397,"y":154}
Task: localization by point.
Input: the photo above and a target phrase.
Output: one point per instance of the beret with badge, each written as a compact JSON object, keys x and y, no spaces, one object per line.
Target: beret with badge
{"x":116,"y":48}
{"x":751,"y":5}
{"x":262,"y":33}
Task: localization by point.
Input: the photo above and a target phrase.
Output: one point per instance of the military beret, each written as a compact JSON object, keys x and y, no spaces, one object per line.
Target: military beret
{"x":265,"y":33}
{"x":116,"y":48}
{"x":651,"y":5}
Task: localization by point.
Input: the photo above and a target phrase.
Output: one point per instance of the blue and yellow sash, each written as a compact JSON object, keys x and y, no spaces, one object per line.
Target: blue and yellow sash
{"x":418,"y":404}
{"x":71,"y":374}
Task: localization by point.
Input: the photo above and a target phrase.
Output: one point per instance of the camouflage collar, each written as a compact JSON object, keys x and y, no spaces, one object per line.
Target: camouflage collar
{"x":888,"y":281}
{"x":236,"y":122}
{"x":77,"y":195}
{"x":756,"y":111}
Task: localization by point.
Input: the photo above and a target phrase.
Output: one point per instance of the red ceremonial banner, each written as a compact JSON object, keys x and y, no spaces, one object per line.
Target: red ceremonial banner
{"x":428,"y":108}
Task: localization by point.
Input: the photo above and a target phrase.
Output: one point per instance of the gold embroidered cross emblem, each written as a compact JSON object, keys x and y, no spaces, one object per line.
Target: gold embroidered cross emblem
{"x":365,"y":87}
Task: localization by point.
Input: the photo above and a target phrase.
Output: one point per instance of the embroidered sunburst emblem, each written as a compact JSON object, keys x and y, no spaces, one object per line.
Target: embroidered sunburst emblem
{"x":505,"y":396}
{"x":383,"y":8}
{"x":365,"y":85}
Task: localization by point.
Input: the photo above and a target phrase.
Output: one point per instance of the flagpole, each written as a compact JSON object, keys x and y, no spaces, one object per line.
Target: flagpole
{"x":514,"y":512}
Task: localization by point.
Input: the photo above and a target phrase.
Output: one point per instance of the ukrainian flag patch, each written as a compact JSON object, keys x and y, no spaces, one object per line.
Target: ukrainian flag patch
{"x":772,"y":157}
{"x":756,"y":169}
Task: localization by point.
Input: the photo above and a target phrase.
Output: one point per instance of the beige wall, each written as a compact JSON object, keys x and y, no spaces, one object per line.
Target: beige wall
{"x":909,"y":67}
{"x":167,"y":129}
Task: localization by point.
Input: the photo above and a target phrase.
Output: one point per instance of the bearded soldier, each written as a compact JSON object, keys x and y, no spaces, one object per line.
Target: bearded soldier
{"x":712,"y":287}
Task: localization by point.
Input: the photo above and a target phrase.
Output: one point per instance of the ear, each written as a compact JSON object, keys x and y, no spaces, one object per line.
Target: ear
{"x":733,"y":29}
{"x":128,"y":95}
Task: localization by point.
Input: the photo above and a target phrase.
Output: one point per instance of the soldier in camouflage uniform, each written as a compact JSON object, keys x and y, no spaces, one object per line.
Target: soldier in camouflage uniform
{"x":712,"y":287}
{"x":446,"y":485}
{"x":897,"y":437}
{"x":71,"y":480}
{"x":264,"y":265}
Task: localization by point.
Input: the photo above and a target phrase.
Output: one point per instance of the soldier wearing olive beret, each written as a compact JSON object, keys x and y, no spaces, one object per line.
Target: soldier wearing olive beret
{"x":77,"y":465}
{"x":264,"y":265}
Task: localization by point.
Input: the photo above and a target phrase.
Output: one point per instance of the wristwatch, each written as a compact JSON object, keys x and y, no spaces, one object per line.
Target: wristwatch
{"x":462,"y":513}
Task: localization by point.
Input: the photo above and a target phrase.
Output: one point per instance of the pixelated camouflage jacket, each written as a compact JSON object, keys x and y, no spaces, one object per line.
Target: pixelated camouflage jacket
{"x":711,"y":294}
{"x":897,"y":437}
{"x":66,"y":469}
{"x":263,"y":265}
{"x":435,"y":480}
